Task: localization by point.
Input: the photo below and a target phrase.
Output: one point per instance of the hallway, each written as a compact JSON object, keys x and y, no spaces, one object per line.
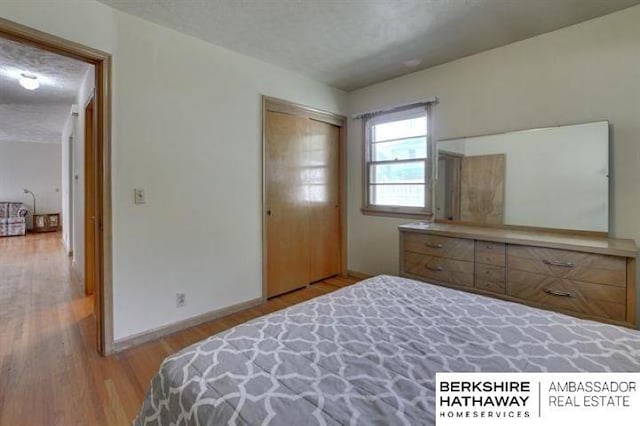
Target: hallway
{"x":46,"y":335}
{"x":50,"y":372}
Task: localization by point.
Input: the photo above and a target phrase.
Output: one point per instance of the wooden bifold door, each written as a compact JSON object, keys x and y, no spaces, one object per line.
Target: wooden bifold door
{"x":302,"y":201}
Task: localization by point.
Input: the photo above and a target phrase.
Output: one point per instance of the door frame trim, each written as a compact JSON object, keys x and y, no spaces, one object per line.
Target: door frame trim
{"x":102,"y":66}
{"x":91,"y":101}
{"x":270,"y":104}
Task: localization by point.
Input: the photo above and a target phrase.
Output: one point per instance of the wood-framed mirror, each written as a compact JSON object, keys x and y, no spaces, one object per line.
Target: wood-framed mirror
{"x":553,"y":178}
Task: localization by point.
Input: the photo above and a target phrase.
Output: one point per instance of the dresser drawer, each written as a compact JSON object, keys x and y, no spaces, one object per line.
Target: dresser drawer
{"x":434,"y":245}
{"x":490,"y":253}
{"x":443,"y":270}
{"x":490,"y":278}
{"x":587,"y":267}
{"x":596,"y":300}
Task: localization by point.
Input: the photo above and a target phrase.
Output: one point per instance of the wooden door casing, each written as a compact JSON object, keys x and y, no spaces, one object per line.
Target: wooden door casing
{"x":449,"y":170}
{"x":90,"y":201}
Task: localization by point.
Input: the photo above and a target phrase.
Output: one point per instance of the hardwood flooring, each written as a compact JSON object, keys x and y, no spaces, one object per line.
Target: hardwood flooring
{"x":50,"y":372}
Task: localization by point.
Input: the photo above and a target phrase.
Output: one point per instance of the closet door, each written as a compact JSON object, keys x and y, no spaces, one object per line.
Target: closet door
{"x":287,"y":210}
{"x":323,"y":183}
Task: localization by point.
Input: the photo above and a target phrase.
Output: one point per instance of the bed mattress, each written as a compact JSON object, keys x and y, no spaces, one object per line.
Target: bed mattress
{"x":368,"y":354}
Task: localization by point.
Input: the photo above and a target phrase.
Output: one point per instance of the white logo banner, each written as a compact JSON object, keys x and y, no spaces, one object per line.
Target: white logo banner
{"x":537,"y":399}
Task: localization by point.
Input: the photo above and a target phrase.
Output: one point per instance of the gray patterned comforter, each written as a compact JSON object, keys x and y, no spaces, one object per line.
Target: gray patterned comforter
{"x":368,"y":354}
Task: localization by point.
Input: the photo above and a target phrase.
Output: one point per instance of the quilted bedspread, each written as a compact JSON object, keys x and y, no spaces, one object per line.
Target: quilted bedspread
{"x":368,"y":354}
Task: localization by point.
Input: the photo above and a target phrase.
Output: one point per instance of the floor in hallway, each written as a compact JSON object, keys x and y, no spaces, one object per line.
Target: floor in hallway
{"x":50,"y":372}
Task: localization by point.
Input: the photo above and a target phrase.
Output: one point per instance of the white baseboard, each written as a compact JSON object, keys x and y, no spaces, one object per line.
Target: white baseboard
{"x":165,"y":330}
{"x":67,"y":250}
{"x":77,"y":275}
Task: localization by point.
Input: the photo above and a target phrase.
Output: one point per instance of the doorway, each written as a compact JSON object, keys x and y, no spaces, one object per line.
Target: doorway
{"x":98,"y":178}
{"x":303,"y":196}
{"x":448,"y":193}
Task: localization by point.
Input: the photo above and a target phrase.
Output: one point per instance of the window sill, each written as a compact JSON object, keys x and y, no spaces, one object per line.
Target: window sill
{"x":397,"y":214}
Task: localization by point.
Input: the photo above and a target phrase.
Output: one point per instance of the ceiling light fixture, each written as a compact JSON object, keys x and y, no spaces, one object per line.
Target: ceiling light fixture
{"x":29,"y":81}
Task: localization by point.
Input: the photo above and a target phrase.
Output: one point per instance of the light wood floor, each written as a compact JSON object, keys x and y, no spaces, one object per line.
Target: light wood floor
{"x":50,"y":373}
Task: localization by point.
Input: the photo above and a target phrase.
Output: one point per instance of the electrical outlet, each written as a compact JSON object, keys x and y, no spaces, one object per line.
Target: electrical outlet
{"x":181,"y":300}
{"x":139,"y":197}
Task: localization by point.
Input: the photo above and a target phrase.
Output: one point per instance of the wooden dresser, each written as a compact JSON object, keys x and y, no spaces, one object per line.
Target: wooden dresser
{"x":49,"y":222}
{"x":584,"y":276}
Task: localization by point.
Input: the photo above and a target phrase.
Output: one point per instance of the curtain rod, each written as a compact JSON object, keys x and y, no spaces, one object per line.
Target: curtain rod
{"x":400,"y":107}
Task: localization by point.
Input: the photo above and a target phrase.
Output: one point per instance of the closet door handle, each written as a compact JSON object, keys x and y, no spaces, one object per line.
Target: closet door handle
{"x":434,"y":268}
{"x":557,"y":292}
{"x":558,"y":263}
{"x":268,"y":212}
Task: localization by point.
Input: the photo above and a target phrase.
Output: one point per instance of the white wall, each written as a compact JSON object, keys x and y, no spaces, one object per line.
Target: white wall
{"x":66,"y":147}
{"x":35,"y":166}
{"x":540,"y":188}
{"x":186,"y":128}
{"x":587,"y":72}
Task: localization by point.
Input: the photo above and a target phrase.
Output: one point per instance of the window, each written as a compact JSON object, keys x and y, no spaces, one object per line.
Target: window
{"x":397,"y":162}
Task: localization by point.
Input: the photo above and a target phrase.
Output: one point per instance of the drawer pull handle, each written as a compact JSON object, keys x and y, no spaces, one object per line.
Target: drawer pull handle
{"x":433,"y":245}
{"x":434,"y":268}
{"x":557,"y":292}
{"x":558,"y":263}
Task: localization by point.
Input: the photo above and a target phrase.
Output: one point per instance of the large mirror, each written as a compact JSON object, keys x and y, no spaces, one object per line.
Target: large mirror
{"x":555,"y":177}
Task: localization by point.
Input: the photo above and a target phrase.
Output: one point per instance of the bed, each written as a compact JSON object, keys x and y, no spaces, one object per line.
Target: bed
{"x":368,"y":354}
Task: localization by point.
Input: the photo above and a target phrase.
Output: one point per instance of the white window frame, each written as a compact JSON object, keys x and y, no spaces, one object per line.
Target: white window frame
{"x":397,"y":211}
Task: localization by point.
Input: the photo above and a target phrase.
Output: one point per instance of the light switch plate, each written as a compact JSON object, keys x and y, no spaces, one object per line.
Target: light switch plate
{"x":139,"y":197}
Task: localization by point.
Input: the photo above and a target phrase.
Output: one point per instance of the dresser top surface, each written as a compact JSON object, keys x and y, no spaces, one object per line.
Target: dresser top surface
{"x":591,"y":244}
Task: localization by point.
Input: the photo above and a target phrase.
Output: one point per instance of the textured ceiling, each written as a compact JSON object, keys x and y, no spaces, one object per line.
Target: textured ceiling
{"x":38,"y":115}
{"x":351,"y":44}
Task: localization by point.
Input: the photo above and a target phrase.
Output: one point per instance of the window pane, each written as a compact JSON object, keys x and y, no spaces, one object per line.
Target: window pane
{"x":399,"y":129}
{"x":410,"y":172}
{"x":399,"y":150}
{"x":397,"y":195}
